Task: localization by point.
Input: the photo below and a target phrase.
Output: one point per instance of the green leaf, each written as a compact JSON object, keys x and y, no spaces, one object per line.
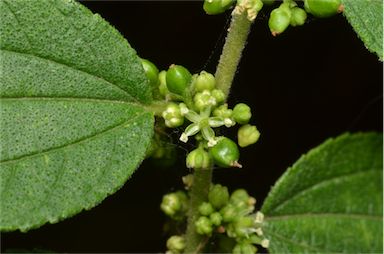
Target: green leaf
{"x":74,"y":122}
{"x":330,"y":200}
{"x":366,"y":18}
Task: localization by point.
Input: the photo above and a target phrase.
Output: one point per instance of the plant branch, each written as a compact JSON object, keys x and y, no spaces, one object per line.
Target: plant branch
{"x":234,"y":44}
{"x":198,"y":194}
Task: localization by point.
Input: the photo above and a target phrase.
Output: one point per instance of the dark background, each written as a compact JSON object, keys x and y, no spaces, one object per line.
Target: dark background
{"x":309,"y":84}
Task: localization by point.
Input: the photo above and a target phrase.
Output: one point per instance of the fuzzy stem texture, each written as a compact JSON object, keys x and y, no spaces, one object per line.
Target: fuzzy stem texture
{"x":226,"y":70}
{"x":198,"y":194}
{"x":232,"y":50}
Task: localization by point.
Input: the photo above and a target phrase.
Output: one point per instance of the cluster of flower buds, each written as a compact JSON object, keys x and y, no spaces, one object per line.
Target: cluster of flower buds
{"x":175,"y":244}
{"x":232,"y":216}
{"x":195,"y":99}
{"x":289,"y":13}
{"x":175,"y":205}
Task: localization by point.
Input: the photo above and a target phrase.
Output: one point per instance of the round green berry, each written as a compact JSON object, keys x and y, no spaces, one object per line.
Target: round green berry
{"x":225,"y":153}
{"x":279,"y":20}
{"x":206,"y":209}
{"x":298,"y":16}
{"x":204,"y":81}
{"x":178,"y":79}
{"x":198,"y":159}
{"x":203,"y":226}
{"x":247,"y":135}
{"x":151,"y":72}
{"x":218,"y":196}
{"x":213,"y":7}
{"x":242,"y":113}
{"x":323,"y":8}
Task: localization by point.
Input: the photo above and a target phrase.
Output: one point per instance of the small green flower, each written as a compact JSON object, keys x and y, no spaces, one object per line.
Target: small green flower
{"x":206,"y":209}
{"x":204,"y":81}
{"x":204,"y":100}
{"x":216,"y":218}
{"x":172,"y":116}
{"x":174,"y":204}
{"x":203,"y":226}
{"x":218,"y":196}
{"x":198,"y":159}
{"x":244,"y":248}
{"x":298,"y":16}
{"x":247,"y":135}
{"x":228,"y":213}
{"x":242,"y":113}
{"x":176,"y":243}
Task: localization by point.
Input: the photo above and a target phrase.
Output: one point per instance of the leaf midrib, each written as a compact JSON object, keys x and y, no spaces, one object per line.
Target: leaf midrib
{"x":305,"y":190}
{"x":84,"y":139}
{"x":325,"y":215}
{"x":73,"y":68}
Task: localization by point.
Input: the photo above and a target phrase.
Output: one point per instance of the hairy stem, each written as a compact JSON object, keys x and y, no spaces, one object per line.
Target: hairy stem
{"x":226,"y":70}
{"x":232,"y":50}
{"x":198,"y":194}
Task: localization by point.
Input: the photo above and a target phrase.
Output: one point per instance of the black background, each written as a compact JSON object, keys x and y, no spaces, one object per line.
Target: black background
{"x":309,"y":84}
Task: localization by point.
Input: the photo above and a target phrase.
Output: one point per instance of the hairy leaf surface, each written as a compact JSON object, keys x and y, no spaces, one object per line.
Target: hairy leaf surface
{"x":366,"y":18}
{"x":330,"y":200}
{"x":74,"y":125}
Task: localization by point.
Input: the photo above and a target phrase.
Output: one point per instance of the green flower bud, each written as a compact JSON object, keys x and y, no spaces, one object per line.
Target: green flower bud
{"x":218,"y":95}
{"x":174,"y":204}
{"x":178,"y":79}
{"x":198,"y":159}
{"x":253,"y":8}
{"x":218,"y":196}
{"x":213,"y":7}
{"x":225,"y":153}
{"x":206,"y":209}
{"x":279,"y":20}
{"x":239,"y":195}
{"x":244,"y":248}
{"x":244,"y":226}
{"x":203,"y":226}
{"x":204,"y":100}
{"x":204,"y":81}
{"x":172,"y":116}
{"x":216,"y":218}
{"x":151,"y":72}
{"x":176,"y":243}
{"x":247,"y":135}
{"x":323,"y":8}
{"x":223,"y":111}
{"x":242,"y":113}
{"x":298,"y":16}
{"x":228,"y":213}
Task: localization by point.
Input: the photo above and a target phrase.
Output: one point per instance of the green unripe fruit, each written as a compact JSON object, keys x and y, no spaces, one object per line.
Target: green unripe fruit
{"x":268,"y":2}
{"x":151,"y":72}
{"x":216,"y":218}
{"x":213,"y":7}
{"x":178,"y":79}
{"x":279,"y":20}
{"x":163,"y":84}
{"x":203,"y":226}
{"x":242,"y":113}
{"x":244,"y":248}
{"x":218,"y":196}
{"x":206,"y":209}
{"x":298,"y":16}
{"x":225,"y":153}
{"x":176,"y":243}
{"x":228,"y":213}
{"x":204,"y":81}
{"x":323,"y":8}
{"x":247,"y":135}
{"x":198,"y":159}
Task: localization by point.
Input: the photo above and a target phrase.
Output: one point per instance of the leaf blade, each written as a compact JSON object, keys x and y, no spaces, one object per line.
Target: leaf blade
{"x":74,"y":124}
{"x":366,"y":18}
{"x":320,"y":204}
